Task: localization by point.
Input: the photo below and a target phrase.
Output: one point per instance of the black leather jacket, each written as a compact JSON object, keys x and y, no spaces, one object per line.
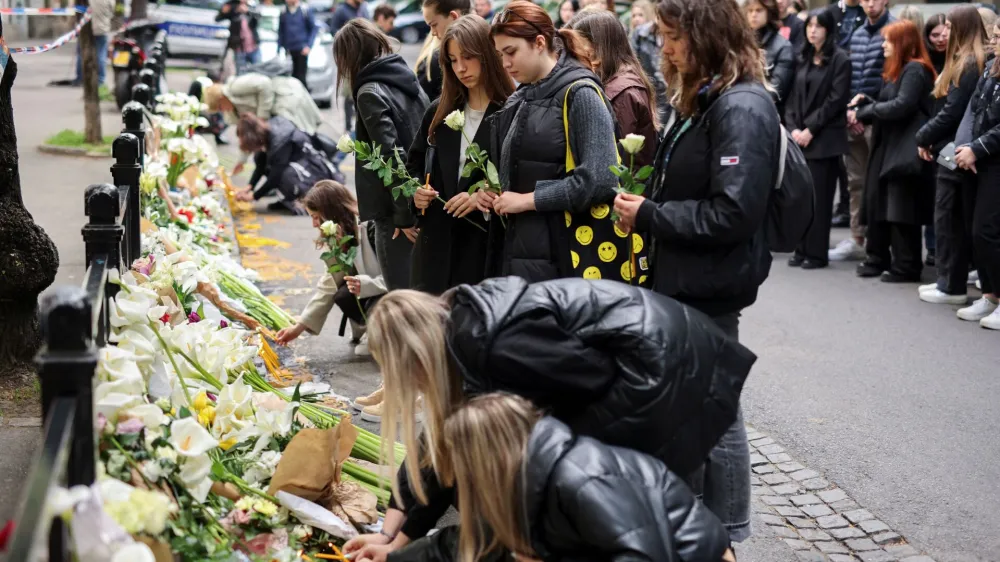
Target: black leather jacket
{"x":390,"y":105}
{"x":582,"y":497}
{"x":949,"y":110}
{"x":780,"y":63}
{"x":618,"y":363}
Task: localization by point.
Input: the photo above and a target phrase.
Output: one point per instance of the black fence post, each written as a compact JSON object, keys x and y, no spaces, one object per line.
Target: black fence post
{"x":132,"y":116}
{"x":152,"y":65}
{"x":147,"y":76}
{"x":66,"y":365}
{"x":125,"y":172}
{"x":142,"y":94}
{"x":102,"y":238}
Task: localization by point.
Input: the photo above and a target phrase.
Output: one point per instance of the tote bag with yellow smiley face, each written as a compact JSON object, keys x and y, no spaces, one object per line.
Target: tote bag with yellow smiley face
{"x":598,"y":248}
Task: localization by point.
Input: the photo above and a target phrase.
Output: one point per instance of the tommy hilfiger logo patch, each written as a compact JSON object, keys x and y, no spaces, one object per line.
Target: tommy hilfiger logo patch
{"x":729,"y":160}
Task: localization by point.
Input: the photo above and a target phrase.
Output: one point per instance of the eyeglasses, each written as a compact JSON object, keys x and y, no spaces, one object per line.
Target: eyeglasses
{"x":503,"y":17}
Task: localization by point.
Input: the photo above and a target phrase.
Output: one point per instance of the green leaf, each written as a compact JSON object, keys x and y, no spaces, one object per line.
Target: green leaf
{"x":396,"y":192}
{"x":399,"y":159}
{"x":369,"y":166}
{"x":477,"y":186}
{"x":468,"y":169}
{"x":183,"y":413}
{"x":297,"y":395}
{"x":346,"y":239}
{"x":639,"y":189}
{"x":386,"y":175}
{"x":333,"y":269}
{"x":644,"y":173}
{"x":326,"y":256}
{"x":201,"y":311}
{"x":616,"y":170}
{"x":351,"y":255}
{"x":491,"y":173}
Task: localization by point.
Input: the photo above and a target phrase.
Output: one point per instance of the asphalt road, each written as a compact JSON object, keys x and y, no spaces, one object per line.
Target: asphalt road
{"x":893,"y":399}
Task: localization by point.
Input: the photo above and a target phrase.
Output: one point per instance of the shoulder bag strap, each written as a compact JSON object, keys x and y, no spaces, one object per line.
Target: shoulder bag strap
{"x":570,"y":163}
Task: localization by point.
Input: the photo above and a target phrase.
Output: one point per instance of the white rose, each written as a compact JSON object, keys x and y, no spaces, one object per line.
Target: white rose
{"x":633,"y":143}
{"x":345,"y":144}
{"x":455,"y":120}
{"x":328,"y":228}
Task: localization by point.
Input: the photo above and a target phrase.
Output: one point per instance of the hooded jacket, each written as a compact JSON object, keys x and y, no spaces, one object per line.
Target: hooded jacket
{"x":583,"y":499}
{"x":630,"y":102}
{"x":615,"y":362}
{"x":293,"y":164}
{"x":390,"y":105}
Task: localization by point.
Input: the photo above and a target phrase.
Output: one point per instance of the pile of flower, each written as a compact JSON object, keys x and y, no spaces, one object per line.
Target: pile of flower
{"x":191,"y":431}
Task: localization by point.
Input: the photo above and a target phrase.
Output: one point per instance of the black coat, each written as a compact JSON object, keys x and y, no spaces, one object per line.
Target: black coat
{"x":902,"y":108}
{"x":949,"y":110}
{"x":431,"y":86}
{"x":390,"y":104}
{"x":707,"y":203}
{"x":449,"y":251}
{"x":780,"y":62}
{"x":235,"y":20}
{"x":822,"y":108}
{"x":292,"y":163}
{"x":985,"y":107}
{"x":584,"y":500}
{"x":615,"y":362}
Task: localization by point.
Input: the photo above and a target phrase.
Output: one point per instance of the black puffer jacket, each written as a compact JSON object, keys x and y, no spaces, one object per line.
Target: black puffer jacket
{"x":390,"y":104}
{"x":948,"y":111}
{"x":985,"y":107}
{"x":780,"y":63}
{"x":618,"y":363}
{"x":708,"y":201}
{"x":584,"y":500}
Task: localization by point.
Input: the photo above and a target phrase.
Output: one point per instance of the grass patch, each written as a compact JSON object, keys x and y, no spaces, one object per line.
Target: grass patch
{"x":74,"y":139}
{"x":105,"y":93}
{"x":22,"y":393}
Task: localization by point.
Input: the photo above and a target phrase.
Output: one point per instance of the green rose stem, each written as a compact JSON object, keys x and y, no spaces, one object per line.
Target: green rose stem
{"x":482,"y":168}
{"x":173,"y":363}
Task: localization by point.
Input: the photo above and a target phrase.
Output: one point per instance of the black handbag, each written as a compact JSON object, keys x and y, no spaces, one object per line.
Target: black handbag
{"x":901,"y":159}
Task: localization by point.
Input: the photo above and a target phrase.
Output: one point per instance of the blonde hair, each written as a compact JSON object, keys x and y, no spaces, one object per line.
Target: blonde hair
{"x":486,"y":440}
{"x":426,"y":56}
{"x":406,"y":335}
{"x":967,"y":40}
{"x":212,"y":96}
{"x":912,"y":13}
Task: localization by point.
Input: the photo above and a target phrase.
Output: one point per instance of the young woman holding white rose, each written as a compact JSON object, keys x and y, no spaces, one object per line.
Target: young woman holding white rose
{"x":452,"y":245}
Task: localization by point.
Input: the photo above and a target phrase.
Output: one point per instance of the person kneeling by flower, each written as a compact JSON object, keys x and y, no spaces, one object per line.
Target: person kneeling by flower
{"x":354,"y":288}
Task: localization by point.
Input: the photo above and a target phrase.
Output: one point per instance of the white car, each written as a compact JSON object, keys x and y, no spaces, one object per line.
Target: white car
{"x":321,"y":75}
{"x":191,"y":27}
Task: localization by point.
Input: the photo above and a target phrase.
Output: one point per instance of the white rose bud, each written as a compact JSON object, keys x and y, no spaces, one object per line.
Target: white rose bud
{"x":633,"y":143}
{"x":328,"y":228}
{"x":345,"y":144}
{"x":455,"y":120}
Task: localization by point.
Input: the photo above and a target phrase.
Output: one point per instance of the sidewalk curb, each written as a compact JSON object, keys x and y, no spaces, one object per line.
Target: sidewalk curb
{"x":70,"y":151}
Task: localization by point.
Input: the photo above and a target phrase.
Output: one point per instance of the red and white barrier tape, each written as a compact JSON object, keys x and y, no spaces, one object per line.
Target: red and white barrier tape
{"x":59,"y":42}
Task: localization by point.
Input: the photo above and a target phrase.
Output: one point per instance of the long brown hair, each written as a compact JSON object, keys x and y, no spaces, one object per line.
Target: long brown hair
{"x":529,"y":19}
{"x":472,"y":34}
{"x":966,"y":40}
{"x":356,"y":45}
{"x":252,"y":133}
{"x":334,"y":202}
{"x":908,"y":45}
{"x":486,"y":441}
{"x":720,"y":43}
{"x":612,"y":51}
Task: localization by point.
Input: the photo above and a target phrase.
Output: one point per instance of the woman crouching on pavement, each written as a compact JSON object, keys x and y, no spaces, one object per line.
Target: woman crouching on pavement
{"x":287,"y":159}
{"x":545,"y":493}
{"x":614,"y":362}
{"x":707,"y":200}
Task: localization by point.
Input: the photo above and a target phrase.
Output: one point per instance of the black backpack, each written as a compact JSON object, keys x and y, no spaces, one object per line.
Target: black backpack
{"x":790,"y":208}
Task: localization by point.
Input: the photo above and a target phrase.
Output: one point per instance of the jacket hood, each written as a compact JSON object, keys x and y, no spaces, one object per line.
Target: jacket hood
{"x":550,"y":441}
{"x":391,"y":71}
{"x":477,"y":313}
{"x":623,"y":81}
{"x":281,"y":132}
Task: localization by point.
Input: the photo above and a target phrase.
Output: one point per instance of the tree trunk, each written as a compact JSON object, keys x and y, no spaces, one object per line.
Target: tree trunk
{"x":91,"y":95}
{"x":139,"y":10}
{"x":29,"y":259}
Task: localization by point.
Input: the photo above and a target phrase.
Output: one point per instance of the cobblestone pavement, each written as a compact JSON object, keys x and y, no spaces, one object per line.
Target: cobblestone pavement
{"x":817,"y":519}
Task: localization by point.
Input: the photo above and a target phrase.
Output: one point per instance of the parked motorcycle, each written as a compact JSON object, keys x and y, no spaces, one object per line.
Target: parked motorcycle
{"x":128,"y":52}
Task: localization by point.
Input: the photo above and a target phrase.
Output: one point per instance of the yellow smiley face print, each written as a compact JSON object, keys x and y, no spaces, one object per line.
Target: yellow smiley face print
{"x":576,"y":259}
{"x":600,"y":211}
{"x":569,"y":219}
{"x":642,"y":279}
{"x":627,"y":271}
{"x":591,"y":273}
{"x":636,"y":243}
{"x":621,"y":233}
{"x":585,"y":235}
{"x":607,"y":252}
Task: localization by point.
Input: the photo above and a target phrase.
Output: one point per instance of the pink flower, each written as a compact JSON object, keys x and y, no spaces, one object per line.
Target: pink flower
{"x":241,"y":517}
{"x":102,"y":421}
{"x":165,"y":318}
{"x":144,"y":265}
{"x":131,"y":425}
{"x":211,"y":396}
{"x":223,"y":324}
{"x":194,"y":318}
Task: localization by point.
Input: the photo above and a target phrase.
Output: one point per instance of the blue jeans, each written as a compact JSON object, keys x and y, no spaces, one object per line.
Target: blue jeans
{"x":723,"y":482}
{"x":101,"y":44}
{"x":243,"y":60}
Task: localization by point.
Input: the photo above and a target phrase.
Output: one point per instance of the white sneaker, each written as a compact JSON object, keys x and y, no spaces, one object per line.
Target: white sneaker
{"x":847,"y":250}
{"x":978,"y":310}
{"x":979,"y":284}
{"x":927,"y":288}
{"x":991,"y":322}
{"x":939,"y":297}
{"x":362,"y":348}
{"x":973,"y":277}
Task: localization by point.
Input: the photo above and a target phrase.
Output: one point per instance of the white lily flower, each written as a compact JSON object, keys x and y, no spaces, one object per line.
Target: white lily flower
{"x":150,"y":414}
{"x":194,"y":474}
{"x":129,"y":387}
{"x":189,"y":438}
{"x":235,"y":398}
{"x":113,"y":403}
{"x":114,"y":363}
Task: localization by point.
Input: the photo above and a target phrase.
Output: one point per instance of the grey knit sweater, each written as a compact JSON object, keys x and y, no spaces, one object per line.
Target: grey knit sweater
{"x":592,"y":141}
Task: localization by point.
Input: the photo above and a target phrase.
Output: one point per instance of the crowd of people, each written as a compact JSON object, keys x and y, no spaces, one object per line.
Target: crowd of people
{"x":573,"y":349}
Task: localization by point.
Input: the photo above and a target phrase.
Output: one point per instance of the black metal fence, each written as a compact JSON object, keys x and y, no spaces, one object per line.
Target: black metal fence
{"x":75,"y":324}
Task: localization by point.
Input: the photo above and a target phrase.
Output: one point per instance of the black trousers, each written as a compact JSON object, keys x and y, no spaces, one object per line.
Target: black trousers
{"x":954,"y":205}
{"x":299,"y":66}
{"x":986,"y":227}
{"x":843,"y":204}
{"x":825,"y":174}
{"x":895,"y":247}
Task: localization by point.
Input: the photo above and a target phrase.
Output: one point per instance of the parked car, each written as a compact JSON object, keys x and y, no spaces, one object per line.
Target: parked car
{"x":192,"y":31}
{"x":321,"y":75}
{"x":927,"y":10}
{"x":410,"y":26}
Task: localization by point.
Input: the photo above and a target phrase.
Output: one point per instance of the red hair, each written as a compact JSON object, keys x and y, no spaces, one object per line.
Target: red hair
{"x":908,"y":45}
{"x":530,"y":20}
